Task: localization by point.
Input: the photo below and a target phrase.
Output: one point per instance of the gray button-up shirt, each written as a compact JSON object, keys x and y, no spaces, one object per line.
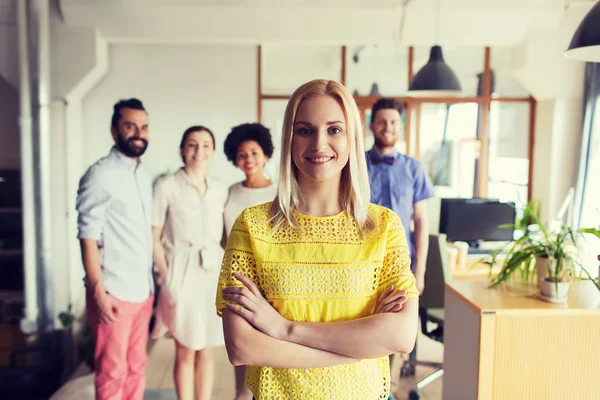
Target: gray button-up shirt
{"x":114,"y":202}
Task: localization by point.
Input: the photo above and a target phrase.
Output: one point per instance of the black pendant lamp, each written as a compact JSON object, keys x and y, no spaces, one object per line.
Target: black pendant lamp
{"x":585,"y":44}
{"x":374,"y":90}
{"x":435,"y":78}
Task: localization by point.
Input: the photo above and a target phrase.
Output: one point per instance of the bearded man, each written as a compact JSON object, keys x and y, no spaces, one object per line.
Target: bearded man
{"x":114,"y":203}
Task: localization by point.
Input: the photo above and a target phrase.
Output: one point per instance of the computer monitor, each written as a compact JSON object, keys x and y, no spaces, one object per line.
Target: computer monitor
{"x":476,"y":220}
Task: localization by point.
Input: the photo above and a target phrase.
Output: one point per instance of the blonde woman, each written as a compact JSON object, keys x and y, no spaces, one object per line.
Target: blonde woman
{"x":188,"y":218}
{"x":318,"y":264}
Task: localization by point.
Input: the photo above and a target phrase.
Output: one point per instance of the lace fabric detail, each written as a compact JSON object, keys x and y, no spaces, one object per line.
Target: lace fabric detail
{"x":339,"y":382}
{"x":241,"y":262}
{"x":332,"y":230}
{"x":319,"y":281}
{"x":303,"y":269}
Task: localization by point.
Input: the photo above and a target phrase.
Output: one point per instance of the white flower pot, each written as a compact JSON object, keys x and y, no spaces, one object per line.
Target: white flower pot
{"x":541,"y":268}
{"x":588,"y":293}
{"x":553,"y":291}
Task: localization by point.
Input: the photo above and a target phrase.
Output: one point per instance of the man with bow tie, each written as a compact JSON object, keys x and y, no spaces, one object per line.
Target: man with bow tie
{"x":399,"y":182}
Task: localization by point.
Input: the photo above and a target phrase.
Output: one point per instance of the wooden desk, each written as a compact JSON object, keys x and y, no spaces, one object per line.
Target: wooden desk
{"x":475,"y":270}
{"x":501,"y":344}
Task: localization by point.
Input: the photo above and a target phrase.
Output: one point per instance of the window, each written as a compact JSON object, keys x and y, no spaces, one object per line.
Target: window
{"x":508,"y":171}
{"x":447,"y":145}
{"x":588,"y":185}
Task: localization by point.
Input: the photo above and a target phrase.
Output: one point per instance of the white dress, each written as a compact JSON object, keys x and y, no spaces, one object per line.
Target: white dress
{"x":241,"y":197}
{"x":193,"y":227}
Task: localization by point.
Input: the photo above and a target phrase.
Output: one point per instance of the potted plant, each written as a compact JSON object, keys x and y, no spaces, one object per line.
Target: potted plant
{"x":520,"y":259}
{"x":549,"y":256}
{"x":587,"y":287}
{"x":85,"y":342}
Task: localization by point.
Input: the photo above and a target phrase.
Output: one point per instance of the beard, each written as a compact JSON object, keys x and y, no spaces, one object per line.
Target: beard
{"x":382,"y":143}
{"x":126,"y":146}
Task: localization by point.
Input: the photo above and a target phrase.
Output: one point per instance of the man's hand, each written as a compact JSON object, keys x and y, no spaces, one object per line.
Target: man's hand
{"x":390,"y":301}
{"x":107,"y":307}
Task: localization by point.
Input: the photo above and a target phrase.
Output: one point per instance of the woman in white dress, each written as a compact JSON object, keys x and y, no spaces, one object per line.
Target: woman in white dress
{"x":248,"y":147}
{"x":187,"y":230}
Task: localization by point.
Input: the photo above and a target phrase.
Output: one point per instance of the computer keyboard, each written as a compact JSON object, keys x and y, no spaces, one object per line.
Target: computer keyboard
{"x":478,"y":251}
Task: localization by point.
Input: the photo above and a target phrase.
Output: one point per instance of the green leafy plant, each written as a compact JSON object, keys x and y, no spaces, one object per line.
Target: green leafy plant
{"x":591,"y":231}
{"x":67,"y":318}
{"x":86,"y":346}
{"x":559,"y":247}
{"x":85,"y":343}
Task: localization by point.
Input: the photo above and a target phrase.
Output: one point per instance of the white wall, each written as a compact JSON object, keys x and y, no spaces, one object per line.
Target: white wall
{"x":10,"y":156}
{"x":285,"y":67}
{"x":61,"y":236}
{"x":566,"y":150}
{"x":180,"y":86}
{"x":73,"y":55}
{"x":556,"y":153}
{"x":542,"y":154}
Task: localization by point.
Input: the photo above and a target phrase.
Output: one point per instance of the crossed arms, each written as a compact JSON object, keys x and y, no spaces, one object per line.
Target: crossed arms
{"x":256,"y":334}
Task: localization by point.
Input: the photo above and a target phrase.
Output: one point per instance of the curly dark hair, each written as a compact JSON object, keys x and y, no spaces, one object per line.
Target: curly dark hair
{"x":244,"y":132}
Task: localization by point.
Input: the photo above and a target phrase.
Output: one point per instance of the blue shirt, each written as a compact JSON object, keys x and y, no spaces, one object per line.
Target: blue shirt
{"x":114,"y":202}
{"x":399,"y":186}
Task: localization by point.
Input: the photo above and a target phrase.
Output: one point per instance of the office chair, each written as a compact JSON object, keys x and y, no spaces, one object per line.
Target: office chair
{"x":431,"y":309}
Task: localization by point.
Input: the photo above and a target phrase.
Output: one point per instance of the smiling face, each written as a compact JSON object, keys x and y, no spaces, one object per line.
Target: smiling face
{"x":131,"y":132}
{"x":386,"y":128}
{"x":250,"y":157}
{"x":320,"y":147}
{"x":198,"y":150}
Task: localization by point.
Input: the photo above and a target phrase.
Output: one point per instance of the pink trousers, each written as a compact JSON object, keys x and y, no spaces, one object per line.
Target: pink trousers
{"x":120,"y":354}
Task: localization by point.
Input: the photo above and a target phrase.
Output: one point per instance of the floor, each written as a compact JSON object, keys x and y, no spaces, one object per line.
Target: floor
{"x":160,"y":381}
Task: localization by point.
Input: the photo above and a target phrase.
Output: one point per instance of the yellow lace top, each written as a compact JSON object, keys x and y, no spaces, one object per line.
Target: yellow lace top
{"x":323,"y":271}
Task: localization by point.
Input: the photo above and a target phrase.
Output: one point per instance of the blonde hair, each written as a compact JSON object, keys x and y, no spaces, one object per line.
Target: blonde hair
{"x":355,"y":192}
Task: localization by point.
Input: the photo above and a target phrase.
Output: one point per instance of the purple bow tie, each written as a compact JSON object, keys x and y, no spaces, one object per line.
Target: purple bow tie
{"x":376,"y":159}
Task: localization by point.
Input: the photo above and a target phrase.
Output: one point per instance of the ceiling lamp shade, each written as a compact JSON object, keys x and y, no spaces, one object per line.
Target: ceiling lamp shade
{"x":375,"y":90}
{"x":585,"y":44}
{"x":435,"y":78}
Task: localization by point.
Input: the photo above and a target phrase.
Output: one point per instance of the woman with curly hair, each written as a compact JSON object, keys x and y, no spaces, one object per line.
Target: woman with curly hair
{"x":248,"y":147}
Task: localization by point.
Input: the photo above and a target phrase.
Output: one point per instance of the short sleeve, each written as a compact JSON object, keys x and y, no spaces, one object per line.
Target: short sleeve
{"x":93,"y":200}
{"x":160,"y":203}
{"x":396,"y":263}
{"x":238,"y":258}
{"x":422,"y":186}
{"x":227,"y":214}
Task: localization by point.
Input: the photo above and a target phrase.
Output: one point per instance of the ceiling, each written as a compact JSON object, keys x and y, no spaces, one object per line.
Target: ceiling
{"x":461,"y":22}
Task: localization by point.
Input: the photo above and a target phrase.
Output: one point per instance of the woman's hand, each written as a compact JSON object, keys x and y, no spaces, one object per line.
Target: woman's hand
{"x":163,"y":274}
{"x":390,"y":301}
{"x":255,"y":308}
